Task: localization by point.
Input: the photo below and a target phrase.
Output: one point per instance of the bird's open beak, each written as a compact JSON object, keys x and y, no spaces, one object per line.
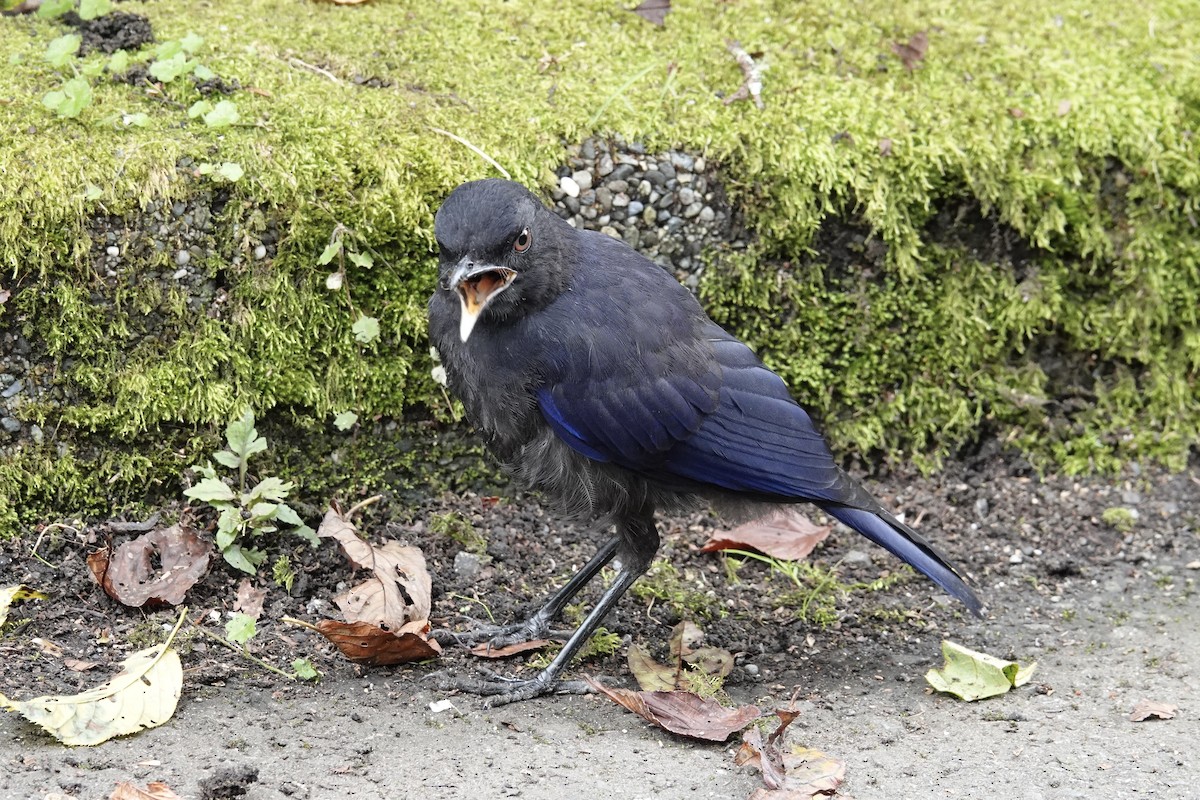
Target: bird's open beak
{"x":476,"y":285}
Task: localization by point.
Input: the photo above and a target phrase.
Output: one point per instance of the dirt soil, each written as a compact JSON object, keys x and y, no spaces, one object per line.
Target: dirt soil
{"x":1108,"y":614}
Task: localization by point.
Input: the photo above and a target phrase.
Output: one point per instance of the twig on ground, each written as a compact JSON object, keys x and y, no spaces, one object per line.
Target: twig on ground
{"x":752,"y":86}
{"x":473,"y":149}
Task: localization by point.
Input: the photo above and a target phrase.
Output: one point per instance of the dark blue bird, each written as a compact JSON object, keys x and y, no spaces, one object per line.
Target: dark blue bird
{"x":598,"y":379}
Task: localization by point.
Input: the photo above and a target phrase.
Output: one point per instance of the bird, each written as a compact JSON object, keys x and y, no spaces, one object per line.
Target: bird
{"x":596,"y":378}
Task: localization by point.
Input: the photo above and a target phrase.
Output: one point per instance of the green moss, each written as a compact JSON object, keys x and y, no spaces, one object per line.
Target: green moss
{"x":1074,"y":130}
{"x":1122,"y":519}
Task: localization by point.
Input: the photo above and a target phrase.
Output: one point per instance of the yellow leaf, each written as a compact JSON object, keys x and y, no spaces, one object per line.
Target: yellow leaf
{"x":11,"y":594}
{"x":142,"y":695}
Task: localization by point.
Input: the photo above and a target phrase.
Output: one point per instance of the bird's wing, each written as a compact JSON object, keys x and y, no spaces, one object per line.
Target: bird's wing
{"x":699,"y":410}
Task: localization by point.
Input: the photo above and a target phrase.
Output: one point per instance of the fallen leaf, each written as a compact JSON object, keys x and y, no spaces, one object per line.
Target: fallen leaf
{"x":1064,"y":108}
{"x":155,"y":790}
{"x":13,"y":594}
{"x":654,"y":11}
{"x":913,"y":51}
{"x":684,"y":713}
{"x":885,"y":147}
{"x":651,"y":675}
{"x":401,"y":590}
{"x":142,"y":695}
{"x":485,"y":650}
{"x":129,"y":576}
{"x":364,"y":643}
{"x":783,"y":534}
{"x":249,"y":600}
{"x":4,"y":295}
{"x":1145,"y":709}
{"x":1016,"y":113}
{"x":800,"y":773}
{"x":971,"y":675}
{"x":75,"y":665}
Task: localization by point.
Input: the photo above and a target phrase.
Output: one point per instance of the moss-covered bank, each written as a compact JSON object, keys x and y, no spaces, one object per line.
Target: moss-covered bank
{"x":1067,"y":134}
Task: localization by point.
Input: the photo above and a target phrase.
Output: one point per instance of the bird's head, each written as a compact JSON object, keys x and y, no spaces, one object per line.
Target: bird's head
{"x":501,"y":251}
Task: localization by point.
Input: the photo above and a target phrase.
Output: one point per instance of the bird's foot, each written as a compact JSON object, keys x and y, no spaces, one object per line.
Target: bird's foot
{"x":500,"y":690}
{"x":498,"y":636}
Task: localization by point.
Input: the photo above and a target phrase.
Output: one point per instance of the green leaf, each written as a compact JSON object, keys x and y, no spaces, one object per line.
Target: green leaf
{"x":168,"y":49}
{"x":223,"y":115}
{"x":240,"y":628}
{"x":305,"y":670}
{"x":71,"y":100}
{"x":210,"y":489}
{"x":168,"y":69}
{"x":199,"y":109}
{"x":204,"y":470}
{"x":230,"y":522}
{"x":363,"y":260}
{"x":119,"y":62}
{"x":91,"y":69}
{"x":309,"y":535}
{"x":230,"y":171}
{"x":138,"y":120}
{"x":225,"y":538}
{"x":270,"y":488}
{"x":245,"y":559}
{"x":203,"y":73}
{"x":49,"y":9}
{"x":345,"y":420}
{"x":192,"y":42}
{"x":92,"y":192}
{"x":366,"y":329}
{"x":261,"y":512}
{"x":971,"y":675}
{"x":60,"y":51}
{"x":330,"y":251}
{"x":90,"y":9}
{"x":243,"y":438}
{"x":286,"y":514}
{"x":228,"y":459}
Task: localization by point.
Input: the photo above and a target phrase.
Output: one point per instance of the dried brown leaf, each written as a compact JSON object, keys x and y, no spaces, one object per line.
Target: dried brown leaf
{"x":885,"y":147}
{"x":364,"y":643}
{"x":75,"y":665}
{"x":711,"y":661}
{"x":654,"y":11}
{"x":128,"y":574}
{"x":400,"y":591}
{"x":485,"y":650}
{"x":249,"y":600}
{"x":1145,"y":709}
{"x":913,"y":51}
{"x":800,"y":773}
{"x":684,"y":637}
{"x":784,"y":534}
{"x":684,"y":713}
{"x":155,"y":790}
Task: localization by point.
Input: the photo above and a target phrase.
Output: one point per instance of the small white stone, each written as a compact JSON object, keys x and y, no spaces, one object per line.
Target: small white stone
{"x":569,"y":186}
{"x":113,"y":250}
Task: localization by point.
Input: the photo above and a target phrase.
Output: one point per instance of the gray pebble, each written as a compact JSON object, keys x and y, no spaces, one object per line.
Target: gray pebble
{"x":605,"y":165}
{"x":687,"y":196}
{"x":707,"y":214}
{"x":620,"y":200}
{"x":182,"y":258}
{"x":180,"y":274}
{"x":583,"y":179}
{"x":13,"y":389}
{"x":260,"y":252}
{"x":635,"y":208}
{"x":467,"y":565}
{"x":9,"y":424}
{"x":113,"y":251}
{"x":569,"y":187}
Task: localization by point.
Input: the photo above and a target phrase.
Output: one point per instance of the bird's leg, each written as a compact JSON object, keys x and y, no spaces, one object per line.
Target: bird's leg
{"x":538,"y":624}
{"x":637,"y":540}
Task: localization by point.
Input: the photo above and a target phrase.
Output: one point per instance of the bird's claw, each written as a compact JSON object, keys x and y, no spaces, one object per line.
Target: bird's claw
{"x":497,"y":636}
{"x":500,"y":690}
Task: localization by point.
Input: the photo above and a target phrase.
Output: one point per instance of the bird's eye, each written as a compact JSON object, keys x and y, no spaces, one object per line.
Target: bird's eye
{"x":522,"y":242}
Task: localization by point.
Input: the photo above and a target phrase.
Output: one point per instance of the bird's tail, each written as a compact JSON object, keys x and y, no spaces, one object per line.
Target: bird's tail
{"x":902,"y":541}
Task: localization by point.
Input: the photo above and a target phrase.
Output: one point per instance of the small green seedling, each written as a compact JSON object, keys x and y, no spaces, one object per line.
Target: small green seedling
{"x":243,"y":513}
